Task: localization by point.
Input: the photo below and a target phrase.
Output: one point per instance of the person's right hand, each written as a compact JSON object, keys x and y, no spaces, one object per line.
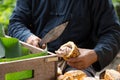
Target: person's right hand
{"x":34,"y":40}
{"x":84,"y":60}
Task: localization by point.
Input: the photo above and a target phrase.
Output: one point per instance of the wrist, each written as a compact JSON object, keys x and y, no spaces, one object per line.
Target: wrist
{"x":95,"y":57}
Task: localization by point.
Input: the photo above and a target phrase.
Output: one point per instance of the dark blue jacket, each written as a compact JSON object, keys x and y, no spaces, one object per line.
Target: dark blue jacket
{"x":93,"y":24}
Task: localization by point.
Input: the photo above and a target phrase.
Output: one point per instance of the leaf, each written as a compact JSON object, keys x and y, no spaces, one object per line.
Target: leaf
{"x":2,"y":50}
{"x":12,"y":47}
{"x":24,"y":57}
{"x":25,"y":51}
{"x":2,"y":33}
{"x":19,"y":75}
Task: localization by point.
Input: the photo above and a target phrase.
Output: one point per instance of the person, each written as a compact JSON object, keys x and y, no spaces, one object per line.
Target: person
{"x":93,"y":26}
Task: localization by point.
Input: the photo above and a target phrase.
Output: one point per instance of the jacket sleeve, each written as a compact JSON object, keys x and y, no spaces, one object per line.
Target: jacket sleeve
{"x":107,"y":31}
{"x":20,"y":20}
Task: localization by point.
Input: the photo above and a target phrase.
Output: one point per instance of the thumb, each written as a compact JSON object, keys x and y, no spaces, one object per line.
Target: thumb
{"x":44,"y":46}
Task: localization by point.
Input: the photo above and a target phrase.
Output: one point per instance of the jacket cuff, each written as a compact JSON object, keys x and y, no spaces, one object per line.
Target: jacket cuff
{"x":99,"y":64}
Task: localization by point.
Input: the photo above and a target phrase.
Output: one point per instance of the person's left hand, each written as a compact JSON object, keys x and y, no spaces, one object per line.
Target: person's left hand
{"x":84,"y":60}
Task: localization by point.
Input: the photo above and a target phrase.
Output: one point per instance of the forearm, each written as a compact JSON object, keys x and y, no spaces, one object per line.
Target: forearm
{"x":106,"y":32}
{"x":20,"y":20}
{"x":108,"y":47}
{"x":19,"y":31}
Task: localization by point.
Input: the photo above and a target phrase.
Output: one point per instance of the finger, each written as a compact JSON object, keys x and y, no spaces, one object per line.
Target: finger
{"x":76,"y":59}
{"x":30,"y":42}
{"x":76,"y":65}
{"x":59,"y":53}
{"x":35,"y":43}
{"x":44,"y":46}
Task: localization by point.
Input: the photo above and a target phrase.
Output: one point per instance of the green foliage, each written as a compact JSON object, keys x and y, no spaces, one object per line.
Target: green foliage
{"x":23,"y":75}
{"x":6,"y":8}
{"x":2,"y":33}
{"x":24,"y":57}
{"x":116,"y":4}
{"x":12,"y":47}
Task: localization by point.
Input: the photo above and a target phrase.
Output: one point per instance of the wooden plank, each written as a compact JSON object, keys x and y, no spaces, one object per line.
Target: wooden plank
{"x":33,"y":49}
{"x":42,"y":70}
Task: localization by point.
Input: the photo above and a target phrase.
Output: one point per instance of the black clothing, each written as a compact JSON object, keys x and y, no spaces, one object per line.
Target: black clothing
{"x":93,"y":24}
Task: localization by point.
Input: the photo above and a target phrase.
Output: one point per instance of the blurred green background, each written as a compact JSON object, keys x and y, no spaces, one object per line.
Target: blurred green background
{"x":7,"y":6}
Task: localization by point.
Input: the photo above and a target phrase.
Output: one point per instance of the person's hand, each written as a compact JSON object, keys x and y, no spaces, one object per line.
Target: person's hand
{"x":34,"y":40}
{"x":84,"y":60}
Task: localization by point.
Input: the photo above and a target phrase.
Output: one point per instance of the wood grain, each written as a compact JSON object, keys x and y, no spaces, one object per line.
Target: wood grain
{"x":42,"y":70}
